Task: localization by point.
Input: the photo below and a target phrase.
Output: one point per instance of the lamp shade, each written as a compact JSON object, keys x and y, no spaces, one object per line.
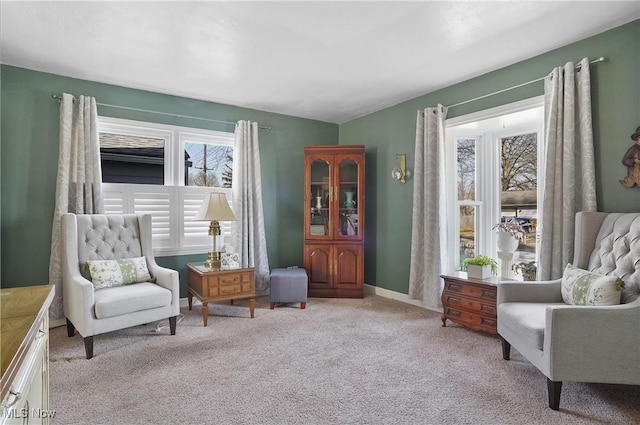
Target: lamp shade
{"x":215,"y":207}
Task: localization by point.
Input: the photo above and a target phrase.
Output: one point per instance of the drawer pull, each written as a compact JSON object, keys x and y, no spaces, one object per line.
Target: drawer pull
{"x":16,"y":397}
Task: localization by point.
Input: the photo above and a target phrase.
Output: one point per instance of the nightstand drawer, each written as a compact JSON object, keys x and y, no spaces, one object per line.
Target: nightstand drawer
{"x":472,"y":320}
{"x":470,"y":304}
{"x":230,"y":289}
{"x":472,"y":291}
{"x":230,"y":279}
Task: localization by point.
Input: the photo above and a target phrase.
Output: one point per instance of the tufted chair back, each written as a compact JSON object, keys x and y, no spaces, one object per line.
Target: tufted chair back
{"x":108,"y":237}
{"x":617,"y":252}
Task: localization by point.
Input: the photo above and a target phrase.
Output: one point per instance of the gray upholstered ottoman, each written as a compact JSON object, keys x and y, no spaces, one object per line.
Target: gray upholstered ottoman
{"x":288,"y":286}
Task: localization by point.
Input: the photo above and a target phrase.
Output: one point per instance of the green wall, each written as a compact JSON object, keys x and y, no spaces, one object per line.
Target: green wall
{"x":29,"y":151}
{"x":616,"y":114}
{"x":29,"y":146}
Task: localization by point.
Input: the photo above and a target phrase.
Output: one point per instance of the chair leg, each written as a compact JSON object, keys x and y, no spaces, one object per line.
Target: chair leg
{"x":88,"y":346}
{"x":554,"y":389}
{"x":71,"y":330}
{"x":506,"y":349}
{"x":172,"y":324}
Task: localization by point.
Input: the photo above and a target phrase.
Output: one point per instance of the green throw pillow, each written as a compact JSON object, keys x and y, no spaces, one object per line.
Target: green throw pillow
{"x":108,"y":273}
{"x":581,"y":287}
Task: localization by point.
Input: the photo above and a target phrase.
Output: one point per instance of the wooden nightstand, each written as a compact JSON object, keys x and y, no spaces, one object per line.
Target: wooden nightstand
{"x":220,"y":285}
{"x":470,"y":302}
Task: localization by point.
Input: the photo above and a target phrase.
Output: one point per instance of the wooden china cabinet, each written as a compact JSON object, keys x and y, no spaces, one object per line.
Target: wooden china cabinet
{"x":334,"y":220}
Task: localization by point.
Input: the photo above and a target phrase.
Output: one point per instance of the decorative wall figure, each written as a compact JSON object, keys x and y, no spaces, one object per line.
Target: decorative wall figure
{"x":631,"y":160}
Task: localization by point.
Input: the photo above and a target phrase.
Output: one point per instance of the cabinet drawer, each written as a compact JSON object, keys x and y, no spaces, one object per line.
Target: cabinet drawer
{"x":230,"y":279}
{"x":488,"y":293}
{"x":228,"y":284}
{"x":230,"y":289}
{"x":470,"y":304}
{"x":471,"y":320}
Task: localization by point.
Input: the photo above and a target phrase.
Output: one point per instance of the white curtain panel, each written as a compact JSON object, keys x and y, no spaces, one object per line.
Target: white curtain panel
{"x":79,"y":181}
{"x":248,"y":237}
{"x":568,"y":168}
{"x":429,"y":219}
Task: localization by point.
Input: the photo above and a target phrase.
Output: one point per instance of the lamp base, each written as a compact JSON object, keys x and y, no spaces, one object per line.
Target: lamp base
{"x":213,"y":261}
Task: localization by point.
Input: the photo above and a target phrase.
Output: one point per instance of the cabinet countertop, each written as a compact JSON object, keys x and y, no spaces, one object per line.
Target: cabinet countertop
{"x":21,"y":312}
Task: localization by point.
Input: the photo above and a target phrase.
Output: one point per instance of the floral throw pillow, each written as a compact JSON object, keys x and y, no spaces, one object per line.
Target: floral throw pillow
{"x":581,"y":287}
{"x":108,"y":273}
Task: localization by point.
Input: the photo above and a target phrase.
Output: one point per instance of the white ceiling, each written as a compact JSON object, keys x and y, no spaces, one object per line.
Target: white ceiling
{"x":330,"y":61}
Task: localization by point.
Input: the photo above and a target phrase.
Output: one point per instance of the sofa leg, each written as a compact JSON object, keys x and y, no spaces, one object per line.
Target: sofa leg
{"x":172,"y":324}
{"x":303,"y":305}
{"x":71,"y":330}
{"x":506,"y":349}
{"x":88,"y":346}
{"x":272,"y":306}
{"x":554,"y":389}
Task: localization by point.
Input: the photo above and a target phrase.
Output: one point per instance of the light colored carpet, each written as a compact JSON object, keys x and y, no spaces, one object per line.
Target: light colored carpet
{"x":340,"y":361}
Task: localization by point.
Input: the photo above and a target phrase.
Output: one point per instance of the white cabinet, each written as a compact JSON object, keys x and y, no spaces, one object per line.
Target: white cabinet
{"x":25,"y":363}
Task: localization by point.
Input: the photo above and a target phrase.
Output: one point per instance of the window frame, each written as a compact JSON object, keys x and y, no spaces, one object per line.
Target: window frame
{"x":183,"y":201}
{"x":487,"y":200}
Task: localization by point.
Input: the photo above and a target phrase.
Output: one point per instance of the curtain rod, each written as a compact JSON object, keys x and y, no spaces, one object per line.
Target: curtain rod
{"x":107,"y":105}
{"x":600,"y":59}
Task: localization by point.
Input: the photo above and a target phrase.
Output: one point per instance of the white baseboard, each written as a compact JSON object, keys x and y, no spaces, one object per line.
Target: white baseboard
{"x":387,"y":293}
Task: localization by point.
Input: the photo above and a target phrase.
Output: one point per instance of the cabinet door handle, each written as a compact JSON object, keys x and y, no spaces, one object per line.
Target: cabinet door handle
{"x":16,"y":397}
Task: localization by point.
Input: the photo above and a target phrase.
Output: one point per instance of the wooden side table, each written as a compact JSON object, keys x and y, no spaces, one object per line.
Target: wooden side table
{"x":220,"y":285}
{"x":470,"y":302}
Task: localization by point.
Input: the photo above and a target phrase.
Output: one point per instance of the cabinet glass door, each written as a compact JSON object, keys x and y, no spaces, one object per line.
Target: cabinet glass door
{"x":348,"y":199}
{"x":319,"y":201}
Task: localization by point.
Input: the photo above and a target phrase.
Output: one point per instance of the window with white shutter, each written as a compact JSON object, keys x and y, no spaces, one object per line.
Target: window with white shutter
{"x":166,"y":171}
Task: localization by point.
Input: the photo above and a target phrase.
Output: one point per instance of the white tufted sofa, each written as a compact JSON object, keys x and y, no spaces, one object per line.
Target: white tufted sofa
{"x":96,"y":311}
{"x":580,"y":343}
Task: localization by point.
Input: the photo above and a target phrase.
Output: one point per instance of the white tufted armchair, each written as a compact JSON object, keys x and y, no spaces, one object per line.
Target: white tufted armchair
{"x":580,"y":343}
{"x":96,"y":311}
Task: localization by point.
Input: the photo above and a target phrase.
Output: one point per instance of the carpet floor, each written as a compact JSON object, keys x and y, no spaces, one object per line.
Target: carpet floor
{"x":339,"y":361}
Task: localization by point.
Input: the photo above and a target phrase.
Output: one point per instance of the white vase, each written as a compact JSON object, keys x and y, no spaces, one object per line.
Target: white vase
{"x":507,"y":242}
{"x":478,"y":272}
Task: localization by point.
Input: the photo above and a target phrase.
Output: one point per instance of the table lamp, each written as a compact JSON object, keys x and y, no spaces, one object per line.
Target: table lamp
{"x":215,"y":208}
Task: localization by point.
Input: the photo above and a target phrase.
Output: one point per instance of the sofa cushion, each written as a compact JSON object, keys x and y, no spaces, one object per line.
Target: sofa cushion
{"x":118,"y":300}
{"x":527,"y":320}
{"x":581,"y":287}
{"x":108,"y":273}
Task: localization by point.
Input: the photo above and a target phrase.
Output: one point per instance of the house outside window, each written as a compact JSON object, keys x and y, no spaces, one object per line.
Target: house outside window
{"x":493,"y":160}
{"x":165,"y":171}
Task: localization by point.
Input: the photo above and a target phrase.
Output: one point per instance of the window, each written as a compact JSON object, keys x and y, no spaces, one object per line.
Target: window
{"x":165,"y":171}
{"x":492,"y":163}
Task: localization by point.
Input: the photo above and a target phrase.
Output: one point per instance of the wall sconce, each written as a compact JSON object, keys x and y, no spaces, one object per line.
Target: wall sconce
{"x":399,"y":173}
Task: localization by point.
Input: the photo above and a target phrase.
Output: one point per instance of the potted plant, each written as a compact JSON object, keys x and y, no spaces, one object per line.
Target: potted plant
{"x":480,"y":267}
{"x":528,"y":270}
{"x":510,"y":232}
